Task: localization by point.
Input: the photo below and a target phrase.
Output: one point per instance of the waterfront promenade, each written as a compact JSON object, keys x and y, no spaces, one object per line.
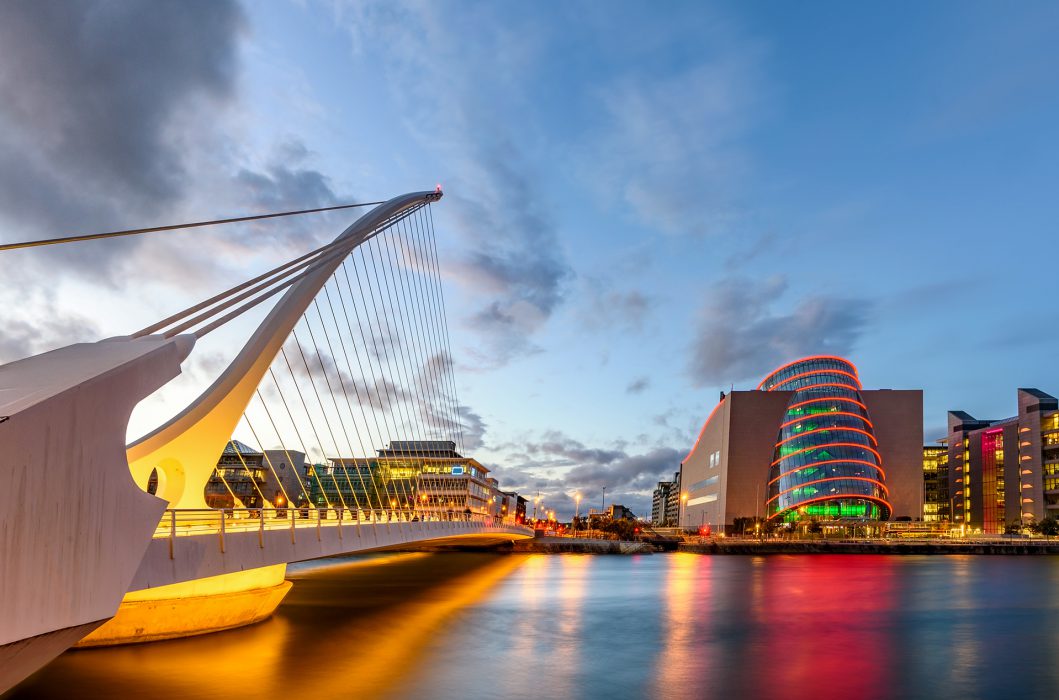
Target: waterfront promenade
{"x":874,"y":546}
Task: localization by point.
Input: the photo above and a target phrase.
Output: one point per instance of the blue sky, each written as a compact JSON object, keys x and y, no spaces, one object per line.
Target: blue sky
{"x":645,"y":203}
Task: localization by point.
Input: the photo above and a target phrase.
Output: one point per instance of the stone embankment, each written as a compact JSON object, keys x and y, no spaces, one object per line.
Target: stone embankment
{"x":571,"y":545}
{"x":736,"y":546}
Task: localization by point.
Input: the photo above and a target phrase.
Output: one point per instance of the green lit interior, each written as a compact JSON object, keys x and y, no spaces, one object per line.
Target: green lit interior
{"x":833,"y":509}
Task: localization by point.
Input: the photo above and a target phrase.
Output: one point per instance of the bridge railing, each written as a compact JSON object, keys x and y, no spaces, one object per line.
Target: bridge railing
{"x":189,"y":522}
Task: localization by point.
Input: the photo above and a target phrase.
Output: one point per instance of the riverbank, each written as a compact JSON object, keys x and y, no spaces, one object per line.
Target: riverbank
{"x":870,"y":547}
{"x":574,"y":545}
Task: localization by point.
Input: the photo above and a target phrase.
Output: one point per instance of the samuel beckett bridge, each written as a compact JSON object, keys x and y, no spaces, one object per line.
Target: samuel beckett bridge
{"x":347,"y":390}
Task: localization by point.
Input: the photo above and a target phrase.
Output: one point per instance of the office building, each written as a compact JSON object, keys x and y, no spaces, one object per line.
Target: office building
{"x":1004,"y":472}
{"x":935,"y":484}
{"x":427,"y":476}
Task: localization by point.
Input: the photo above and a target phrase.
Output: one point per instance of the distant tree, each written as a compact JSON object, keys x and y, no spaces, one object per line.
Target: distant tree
{"x":1013,"y":529}
{"x":814,"y":527}
{"x":624,"y":529}
{"x":1049,"y":527}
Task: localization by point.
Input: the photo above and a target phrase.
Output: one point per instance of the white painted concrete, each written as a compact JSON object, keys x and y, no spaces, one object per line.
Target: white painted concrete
{"x":73,"y":524}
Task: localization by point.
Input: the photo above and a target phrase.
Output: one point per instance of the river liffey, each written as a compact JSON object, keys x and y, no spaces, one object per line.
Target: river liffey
{"x":486,"y":626}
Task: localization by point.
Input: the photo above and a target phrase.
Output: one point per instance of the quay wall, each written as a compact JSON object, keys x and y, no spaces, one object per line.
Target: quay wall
{"x":870,"y":547}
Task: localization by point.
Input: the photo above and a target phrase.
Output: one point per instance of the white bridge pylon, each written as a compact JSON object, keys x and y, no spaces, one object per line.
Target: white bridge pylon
{"x":186,"y":449}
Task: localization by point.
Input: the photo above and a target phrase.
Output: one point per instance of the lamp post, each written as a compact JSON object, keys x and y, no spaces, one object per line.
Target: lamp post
{"x":603,"y":505}
{"x":683,"y":506}
{"x":577,"y":510}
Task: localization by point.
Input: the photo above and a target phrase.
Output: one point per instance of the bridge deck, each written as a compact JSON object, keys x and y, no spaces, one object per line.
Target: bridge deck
{"x":193,"y":544}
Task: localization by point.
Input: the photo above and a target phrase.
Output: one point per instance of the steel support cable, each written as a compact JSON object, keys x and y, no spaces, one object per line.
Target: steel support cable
{"x":395,"y":311}
{"x":249,"y":473}
{"x":334,"y":398}
{"x":268,"y":461}
{"x":401,"y":406}
{"x":395,"y":404}
{"x":429,"y":313}
{"x":426,"y":366}
{"x":323,"y":370}
{"x":443,"y":330}
{"x":391,"y":397}
{"x":305,"y":406}
{"x":282,"y":442}
{"x":303,"y":266}
{"x":444,"y":315}
{"x":378,"y":322}
{"x":276,"y":273}
{"x":429,"y":330}
{"x":417,"y":345}
{"x":175,"y":227}
{"x":408,"y":309}
{"x":356,"y":389}
{"x":410,"y":321}
{"x":227,"y":487}
{"x":297,"y":431}
{"x":342,"y":383}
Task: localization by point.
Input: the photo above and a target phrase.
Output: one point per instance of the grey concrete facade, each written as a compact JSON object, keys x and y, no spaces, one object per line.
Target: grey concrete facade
{"x":726,"y":473}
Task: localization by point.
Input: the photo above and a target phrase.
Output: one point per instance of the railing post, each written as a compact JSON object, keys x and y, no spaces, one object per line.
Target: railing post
{"x":292,"y":527}
{"x":172,"y":532}
{"x":223,"y":518}
{"x":261,"y":529}
{"x":319,"y":517}
{"x":341,"y":514}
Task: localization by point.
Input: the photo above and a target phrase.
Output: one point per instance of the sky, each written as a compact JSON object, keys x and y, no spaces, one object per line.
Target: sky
{"x":645,"y":203}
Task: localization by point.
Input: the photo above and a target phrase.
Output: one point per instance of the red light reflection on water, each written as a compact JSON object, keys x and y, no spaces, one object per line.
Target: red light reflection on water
{"x":823,"y":627}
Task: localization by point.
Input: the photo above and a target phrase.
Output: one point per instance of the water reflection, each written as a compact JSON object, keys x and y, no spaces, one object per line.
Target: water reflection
{"x":479,"y":626}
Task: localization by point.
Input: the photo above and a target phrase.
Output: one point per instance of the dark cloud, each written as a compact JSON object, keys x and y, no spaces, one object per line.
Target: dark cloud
{"x":741,"y":336}
{"x":638,"y":386}
{"x":560,"y":466}
{"x":51,"y":328}
{"x":91,"y":124}
{"x":515,"y":263}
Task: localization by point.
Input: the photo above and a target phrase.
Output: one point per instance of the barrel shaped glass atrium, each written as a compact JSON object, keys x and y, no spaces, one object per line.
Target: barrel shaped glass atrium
{"x":826,"y":463}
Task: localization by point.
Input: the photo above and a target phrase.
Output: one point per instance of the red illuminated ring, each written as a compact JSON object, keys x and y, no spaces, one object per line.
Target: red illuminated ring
{"x":828,"y":429}
{"x":828,"y":461}
{"x":816,"y":371}
{"x":832,"y":478}
{"x":776,"y":371}
{"x":880,"y":501}
{"x":814,"y":416}
{"x":708,"y":419}
{"x":827,"y":444}
{"x":827,"y":398}
{"x":817,"y":386}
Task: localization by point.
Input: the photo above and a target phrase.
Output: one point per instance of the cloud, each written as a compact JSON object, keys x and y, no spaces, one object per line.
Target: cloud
{"x":638,"y":386}
{"x":669,"y":146}
{"x":511,"y":265}
{"x":440,"y":409}
{"x":742,"y":335}
{"x":121,"y":114}
{"x":95,"y":100}
{"x":26,"y":334}
{"x":560,"y":466}
{"x":614,"y":309}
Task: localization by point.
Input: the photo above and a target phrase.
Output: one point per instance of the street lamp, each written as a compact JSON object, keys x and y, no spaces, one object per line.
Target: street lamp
{"x":577,"y":509}
{"x":683,"y":506}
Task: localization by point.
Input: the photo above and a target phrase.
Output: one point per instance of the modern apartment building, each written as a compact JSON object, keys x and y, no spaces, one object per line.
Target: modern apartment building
{"x":665,"y":503}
